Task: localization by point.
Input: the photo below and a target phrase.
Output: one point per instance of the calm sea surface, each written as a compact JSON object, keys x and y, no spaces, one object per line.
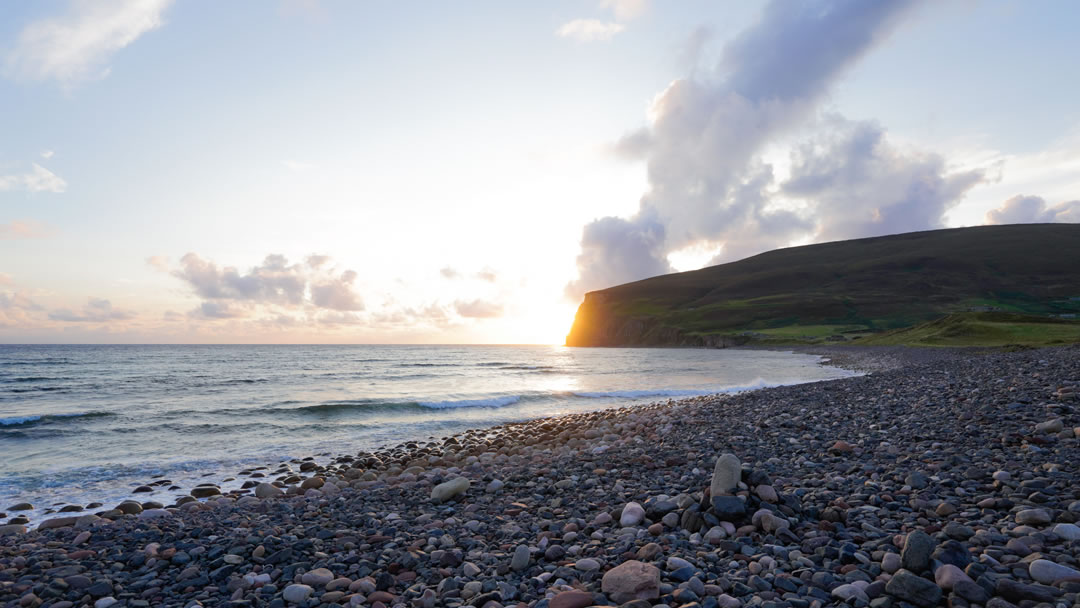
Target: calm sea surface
{"x":82,"y":423}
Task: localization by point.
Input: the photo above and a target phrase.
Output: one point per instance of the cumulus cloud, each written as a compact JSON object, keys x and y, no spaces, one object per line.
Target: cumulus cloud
{"x":159,"y":262}
{"x":96,"y":310}
{"x":478,"y":309}
{"x":24,"y":229}
{"x":229,"y":293}
{"x":1022,"y":209}
{"x":17,"y":310}
{"x":77,"y":45}
{"x":38,"y":179}
{"x":589,"y":30}
{"x":709,"y":184}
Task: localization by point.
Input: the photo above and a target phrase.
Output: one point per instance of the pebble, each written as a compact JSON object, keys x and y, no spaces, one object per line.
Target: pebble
{"x":632,"y":580}
{"x":449,"y":489}
{"x":726,"y":475}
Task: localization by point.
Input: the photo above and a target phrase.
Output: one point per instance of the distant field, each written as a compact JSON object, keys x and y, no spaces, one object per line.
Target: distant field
{"x":983,"y":329}
{"x":855,"y":289}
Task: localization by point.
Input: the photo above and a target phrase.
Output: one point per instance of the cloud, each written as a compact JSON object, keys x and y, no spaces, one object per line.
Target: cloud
{"x":6,"y":280}
{"x":77,"y":45}
{"x":488,"y":275}
{"x":17,"y":310}
{"x":337,"y":293}
{"x":39,"y":179}
{"x":855,"y":183}
{"x":47,"y":154}
{"x":478,"y":309}
{"x":229,"y":293}
{"x":589,"y":30}
{"x":96,"y":310}
{"x":24,"y":229}
{"x":159,"y":262}
{"x":626,"y":10}
{"x":709,"y":183}
{"x":1022,"y":209}
{"x":449,"y":273}
{"x":17,"y":301}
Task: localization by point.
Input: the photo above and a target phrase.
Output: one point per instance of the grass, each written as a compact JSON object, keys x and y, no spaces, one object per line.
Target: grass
{"x":983,"y":329}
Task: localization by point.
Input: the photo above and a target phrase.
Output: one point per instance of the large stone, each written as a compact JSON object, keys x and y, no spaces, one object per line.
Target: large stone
{"x":632,"y":515}
{"x":1050,"y":426}
{"x":1015,"y":591}
{"x":317,"y":577}
{"x":1067,"y":531}
{"x":11,"y":529}
{"x":728,"y":508}
{"x":205,"y":491}
{"x":57,"y":522}
{"x":948,"y":575}
{"x":913,"y":588}
{"x":1050,"y":573}
{"x":449,"y":489}
{"x":297,"y":594}
{"x":1033,"y":517}
{"x":726,"y":475}
{"x":891,"y":562}
{"x":268,"y":490}
{"x":521,"y":558}
{"x":631,"y":580}
{"x":571,"y":599}
{"x":917,"y":549}
{"x":849,"y":591}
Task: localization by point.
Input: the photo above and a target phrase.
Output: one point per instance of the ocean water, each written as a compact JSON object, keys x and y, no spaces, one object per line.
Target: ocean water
{"x":89,"y":423}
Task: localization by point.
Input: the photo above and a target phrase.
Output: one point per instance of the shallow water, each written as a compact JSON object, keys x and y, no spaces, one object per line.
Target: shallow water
{"x":82,"y":423}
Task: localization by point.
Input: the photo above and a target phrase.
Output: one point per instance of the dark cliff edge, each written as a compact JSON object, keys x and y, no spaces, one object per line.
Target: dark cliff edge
{"x":596,"y":324}
{"x":846,"y":290}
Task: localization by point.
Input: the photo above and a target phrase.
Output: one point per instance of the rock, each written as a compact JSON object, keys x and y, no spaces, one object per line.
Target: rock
{"x":130,"y":507}
{"x":728,"y":508}
{"x":948,"y":575}
{"x":571,"y":599}
{"x":971,"y":591}
{"x":105,"y":602}
{"x":297,"y":594}
{"x":449,"y":489}
{"x":205,"y":491}
{"x":11,"y":529}
{"x":1015,"y":591}
{"x":917,"y":549}
{"x":1033,"y":517}
{"x":317,"y":578}
{"x":1066,"y":531}
{"x":1051,"y":573}
{"x":767,"y":493}
{"x":632,"y":580}
{"x":916,"y":480}
{"x":155,"y":514}
{"x":521,"y":558}
{"x":494,"y":486}
{"x":849,"y":591}
{"x":726,"y":475}
{"x":312,"y":483}
{"x":587,"y":564}
{"x":891,"y":562}
{"x":57,"y":522}
{"x":22,"y":506}
{"x":1050,"y":426}
{"x":913,"y":588}
{"x":632,"y":515}
{"x":267,"y":490}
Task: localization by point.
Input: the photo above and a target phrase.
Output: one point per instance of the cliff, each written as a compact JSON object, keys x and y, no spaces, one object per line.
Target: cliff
{"x":835,"y":291}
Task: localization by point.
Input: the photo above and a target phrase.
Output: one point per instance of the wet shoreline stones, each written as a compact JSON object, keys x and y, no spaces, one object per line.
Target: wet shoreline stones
{"x":935,"y":480}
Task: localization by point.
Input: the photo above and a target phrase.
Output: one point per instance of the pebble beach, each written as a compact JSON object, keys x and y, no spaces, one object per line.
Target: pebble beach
{"x":939,"y":477}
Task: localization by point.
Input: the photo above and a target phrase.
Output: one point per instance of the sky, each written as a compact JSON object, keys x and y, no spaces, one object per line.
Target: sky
{"x":309,"y":171}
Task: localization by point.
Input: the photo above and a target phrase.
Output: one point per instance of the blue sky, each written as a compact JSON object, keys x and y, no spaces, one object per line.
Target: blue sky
{"x":450,"y":167}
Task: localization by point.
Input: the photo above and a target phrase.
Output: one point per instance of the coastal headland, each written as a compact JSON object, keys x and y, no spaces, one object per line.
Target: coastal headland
{"x":941,"y":477}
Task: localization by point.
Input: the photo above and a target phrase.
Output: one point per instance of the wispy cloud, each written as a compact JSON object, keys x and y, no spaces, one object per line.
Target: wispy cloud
{"x":478,"y":309}
{"x":589,"y":30}
{"x":77,"y":45}
{"x":39,"y":179}
{"x":24,"y":229}
{"x":626,"y":10}
{"x":230,"y":293}
{"x":159,"y":262}
{"x":96,"y":310}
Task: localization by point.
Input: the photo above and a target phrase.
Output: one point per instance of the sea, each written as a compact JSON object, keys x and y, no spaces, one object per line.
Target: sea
{"x":89,"y":422}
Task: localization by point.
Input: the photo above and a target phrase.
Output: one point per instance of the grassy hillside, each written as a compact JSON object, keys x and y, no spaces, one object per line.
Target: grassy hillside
{"x":983,"y":329}
{"x":844,"y":289}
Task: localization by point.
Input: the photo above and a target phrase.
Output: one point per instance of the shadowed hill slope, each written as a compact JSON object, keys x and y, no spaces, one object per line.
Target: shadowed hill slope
{"x":845,"y":287}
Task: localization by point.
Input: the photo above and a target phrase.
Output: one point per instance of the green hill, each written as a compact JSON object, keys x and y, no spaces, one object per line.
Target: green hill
{"x":835,"y":291}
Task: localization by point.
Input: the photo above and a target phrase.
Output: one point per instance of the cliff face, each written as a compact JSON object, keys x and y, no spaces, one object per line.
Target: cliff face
{"x":598,"y":324}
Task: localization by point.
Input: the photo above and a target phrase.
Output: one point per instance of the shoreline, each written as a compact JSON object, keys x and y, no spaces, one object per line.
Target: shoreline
{"x":845,"y":469}
{"x":229,"y":475}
